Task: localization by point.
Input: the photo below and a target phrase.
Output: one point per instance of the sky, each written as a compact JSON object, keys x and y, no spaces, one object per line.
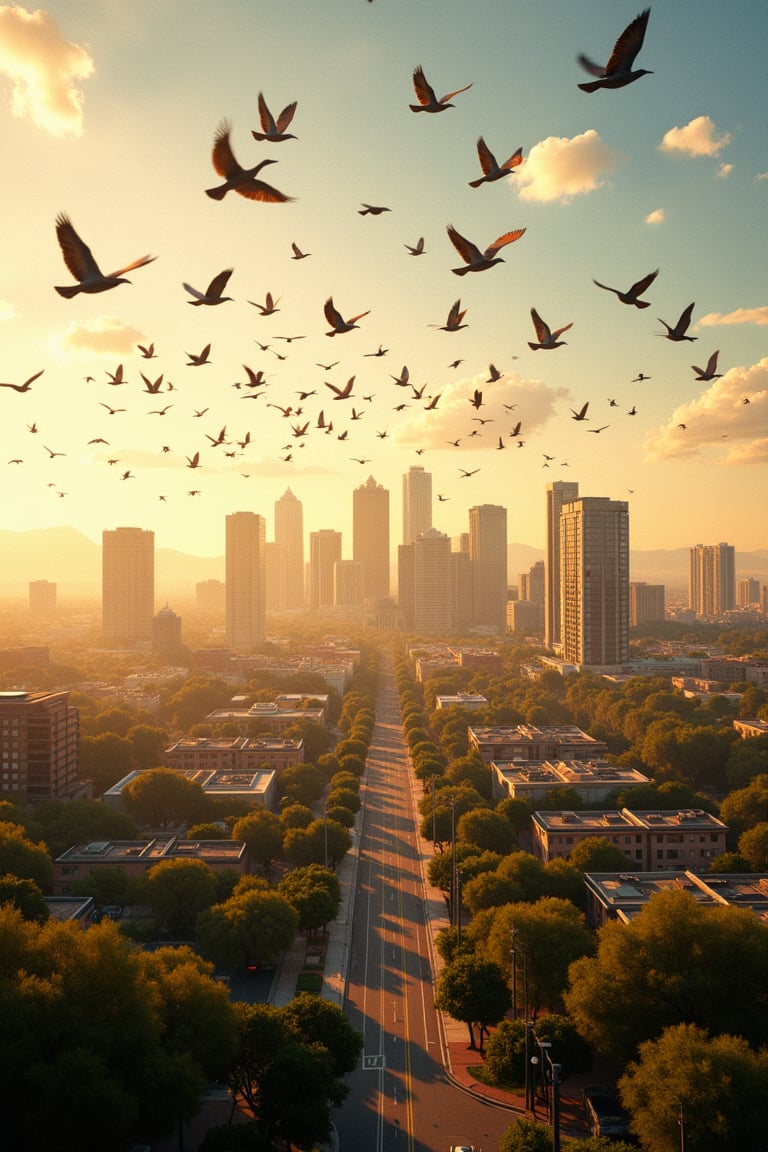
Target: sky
{"x":108,"y":113}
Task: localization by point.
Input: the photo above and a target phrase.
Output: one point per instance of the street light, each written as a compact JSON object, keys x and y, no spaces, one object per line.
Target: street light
{"x":551,"y":1074}
{"x":513,"y":933}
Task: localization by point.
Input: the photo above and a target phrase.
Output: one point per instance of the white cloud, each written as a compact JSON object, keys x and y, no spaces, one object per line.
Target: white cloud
{"x":656,"y":217}
{"x":558,"y":168}
{"x":45,"y":70}
{"x":719,"y":422}
{"x":724,"y":171}
{"x":757,"y":316}
{"x":697,"y":138}
{"x":102,"y":335}
{"x":7,"y":311}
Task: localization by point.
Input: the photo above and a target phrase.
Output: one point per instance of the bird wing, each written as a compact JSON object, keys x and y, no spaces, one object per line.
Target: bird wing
{"x":468,"y":251}
{"x":77,"y":255}
{"x":486,"y":157}
{"x":711,"y":364}
{"x":641,"y":285}
{"x":193,"y":291}
{"x":265,"y":116}
{"x":502,"y":241}
{"x":590,"y":66}
{"x":628,"y":45}
{"x":333,"y":388}
{"x":218,"y":284}
{"x":354,"y":319}
{"x":424,"y":92}
{"x":332,"y":315}
{"x":286,"y":116}
{"x":559,"y":331}
{"x":515,"y":159}
{"x":450,"y":95}
{"x":223,"y":157}
{"x":543,"y":334}
{"x":685,"y":319}
{"x":258,"y":190}
{"x":455,"y":316}
{"x":607,"y":287}
{"x":142,"y":260}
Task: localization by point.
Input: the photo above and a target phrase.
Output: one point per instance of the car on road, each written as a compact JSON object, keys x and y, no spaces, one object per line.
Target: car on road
{"x":605,"y":1114}
{"x":462,"y":1148}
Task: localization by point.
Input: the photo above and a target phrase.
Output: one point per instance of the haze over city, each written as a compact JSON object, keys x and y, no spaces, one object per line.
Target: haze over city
{"x":111,"y":115}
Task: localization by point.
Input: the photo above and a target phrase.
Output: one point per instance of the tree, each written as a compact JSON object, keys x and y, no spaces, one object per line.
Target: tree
{"x":20,"y":857}
{"x":526,"y":1136}
{"x":104,"y":760}
{"x":178,"y":891}
{"x":598,"y":854}
{"x":148,"y":745}
{"x":504,"y":1063}
{"x":745,"y":808}
{"x":314,"y":892}
{"x":65,"y":823}
{"x":489,"y":890}
{"x":295,"y":816}
{"x":473,"y":991}
{"x":161,"y":797}
{"x":262,"y":832}
{"x":320,"y":1022}
{"x":753,"y":846}
{"x":256,"y":925}
{"x":716,"y":1085}
{"x":209,"y":830}
{"x":322,"y":842}
{"x":105,"y":885}
{"x":23,"y":895}
{"x":316,"y":737}
{"x":302,"y":783}
{"x":344,"y":798}
{"x":487,"y":830}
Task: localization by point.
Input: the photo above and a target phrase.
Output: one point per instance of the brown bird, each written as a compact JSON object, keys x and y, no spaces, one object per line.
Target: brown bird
{"x":147,"y":351}
{"x":475,"y":260}
{"x":372,"y":210}
{"x":631,"y":296}
{"x":342,"y":393}
{"x":80,"y":262}
{"x":708,"y":373}
{"x":25,"y":387}
{"x":193,"y":461}
{"x":268,"y":307}
{"x":271,"y":129}
{"x":416,"y":249}
{"x":546,"y":337}
{"x":427,"y":101}
{"x":213,"y":293}
{"x":152,"y":386}
{"x":298,"y":254}
{"x":454,"y":321}
{"x":618,"y":72}
{"x":677,"y":332}
{"x":338,"y":324}
{"x":236,"y":178}
{"x":197,"y":359}
{"x":491,"y":169}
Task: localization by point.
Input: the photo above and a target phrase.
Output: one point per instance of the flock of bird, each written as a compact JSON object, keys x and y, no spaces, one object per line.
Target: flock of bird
{"x":349,"y":407}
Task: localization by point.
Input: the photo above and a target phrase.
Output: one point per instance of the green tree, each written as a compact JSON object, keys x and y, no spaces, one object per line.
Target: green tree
{"x":209,"y":830}
{"x":295,"y":816}
{"x":262,"y":831}
{"x":314,"y":892}
{"x":504,"y":1063}
{"x":489,"y":890}
{"x":161,"y":797}
{"x":178,"y":891}
{"x":64,"y":823}
{"x":344,"y":798}
{"x":20,"y":857}
{"x":473,"y":991}
{"x":104,"y":760}
{"x":24,"y":895}
{"x":256,"y":925}
{"x":322,"y":842}
{"x":148,"y":745}
{"x":745,"y":808}
{"x":487,"y":830}
{"x":320,"y":1022}
{"x":302,"y":783}
{"x":753,"y":846}
{"x":526,"y":1136}
{"x":105,"y":885}
{"x":198,"y":696}
{"x":598,"y":854}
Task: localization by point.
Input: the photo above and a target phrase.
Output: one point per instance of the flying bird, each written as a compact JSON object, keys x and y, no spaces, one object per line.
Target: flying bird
{"x":327,"y":367}
{"x":465,"y":475}
{"x":633,"y":294}
{"x":493,"y":374}
{"x":416,"y":249}
{"x":147,"y":351}
{"x":338,"y":324}
{"x":112,"y":411}
{"x":51,"y":453}
{"x":582,"y":412}
{"x":432,"y":403}
{"x":25,"y":387}
{"x":601,"y":429}
{"x":342,"y":393}
{"x":708,"y":373}
{"x":298,"y":254}
{"x":454,"y":321}
{"x":491,"y":169}
{"x":117,"y":377}
{"x":380,"y":351}
{"x":476,"y":399}
{"x":677,"y":332}
{"x":152,"y":386}
{"x":427,"y":101}
{"x":80,"y":262}
{"x":159,"y":411}
{"x":199,"y":412}
{"x":197,"y":359}
{"x":475,"y":260}
{"x":516,"y":430}
{"x":403,"y":380}
{"x":618,"y":72}
{"x":271,"y":129}
{"x":213,"y":293}
{"x":244,"y":181}
{"x":372,"y":210}
{"x":193,"y":461}
{"x":268,"y":307}
{"x":546,"y":337}
{"x":641,"y":376}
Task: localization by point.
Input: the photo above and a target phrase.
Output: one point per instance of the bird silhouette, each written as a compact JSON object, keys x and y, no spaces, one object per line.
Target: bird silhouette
{"x":147,"y":351}
{"x":80,"y":262}
{"x":582,"y":412}
{"x":269,"y":307}
{"x":342,"y":393}
{"x":271,"y":129}
{"x":197,"y":359}
{"x":474,"y":259}
{"x":372,"y":210}
{"x":298,"y":254}
{"x":213,"y":293}
{"x":641,"y":376}
{"x":380,"y":351}
{"x":152,"y":386}
{"x":631,"y":296}
{"x":618,"y":72}
{"x":546,"y":337}
{"x":678,"y":331}
{"x":432,"y":403}
{"x":492,"y":170}
{"x":160,"y":411}
{"x":493,"y":374}
{"x":476,"y":399}
{"x":117,"y":377}
{"x":244,"y":181}
{"x":516,"y":430}
{"x":708,"y":373}
{"x":601,"y":429}
{"x":25,"y":387}
{"x":112,"y":411}
{"x":416,"y":249}
{"x":327,"y":367}
{"x":403,"y":380}
{"x":51,"y":453}
{"x":338,"y":324}
{"x":427,"y":101}
{"x":193,"y":461}
{"x":455,"y":317}
{"x":465,"y":474}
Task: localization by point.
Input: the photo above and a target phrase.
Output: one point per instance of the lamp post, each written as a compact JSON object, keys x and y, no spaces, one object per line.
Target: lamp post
{"x":513,"y":933}
{"x":434,"y":836}
{"x":453,"y":863}
{"x":551,"y":1074}
{"x":458,"y":910}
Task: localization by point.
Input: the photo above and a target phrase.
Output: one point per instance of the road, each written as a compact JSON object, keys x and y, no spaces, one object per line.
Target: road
{"x":401,"y":1099}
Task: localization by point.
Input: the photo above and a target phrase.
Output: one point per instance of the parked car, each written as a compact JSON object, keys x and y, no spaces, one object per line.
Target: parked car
{"x":605,"y":1114}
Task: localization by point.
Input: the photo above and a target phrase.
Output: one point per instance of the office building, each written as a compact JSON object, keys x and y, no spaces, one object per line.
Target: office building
{"x":324,"y":551}
{"x":166,"y":635}
{"x":560,"y":493}
{"x":42,"y":599}
{"x":406,"y":583}
{"x":530,"y":584}
{"x":417,"y":503}
{"x":747,"y":592}
{"x":289,"y":548}
{"x":712,"y":579}
{"x":127,"y":585}
{"x":245,"y":579}
{"x":646,"y":603}
{"x":370,"y":537}
{"x":488,"y":562}
{"x":434,"y":600}
{"x":348,"y":584}
{"x":39,"y":736}
{"x":594,"y":581}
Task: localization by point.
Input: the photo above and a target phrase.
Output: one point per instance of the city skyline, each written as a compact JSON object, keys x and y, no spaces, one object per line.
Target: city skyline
{"x":612,"y":186}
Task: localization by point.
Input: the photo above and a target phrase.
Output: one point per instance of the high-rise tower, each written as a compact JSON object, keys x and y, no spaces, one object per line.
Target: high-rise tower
{"x":712,"y":579}
{"x":127,"y":584}
{"x":245,"y":579}
{"x":434,"y":598}
{"x":324,"y":551}
{"x":559,"y":493}
{"x":417,"y":503}
{"x":370,"y":537}
{"x":488,"y":563}
{"x":594,"y":581}
{"x":289,"y":541}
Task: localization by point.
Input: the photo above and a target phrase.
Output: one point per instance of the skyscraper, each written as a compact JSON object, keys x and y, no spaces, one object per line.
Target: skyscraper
{"x":347,"y":584}
{"x":417,"y":503}
{"x":289,"y":539}
{"x":370,"y":537}
{"x":434,"y":600}
{"x":712,"y":579}
{"x":245,"y":569}
{"x":42,"y":599}
{"x":646,"y":603}
{"x":39,"y":740}
{"x":127,"y":584}
{"x":324,"y":551}
{"x":488,"y":562}
{"x":559,"y":493}
{"x":594,"y":581}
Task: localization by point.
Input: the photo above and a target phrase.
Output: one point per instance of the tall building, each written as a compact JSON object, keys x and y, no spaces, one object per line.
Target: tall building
{"x":166,"y":635}
{"x":42,"y":599}
{"x":324,"y":551}
{"x":530,"y":584}
{"x":434,"y":599}
{"x":712,"y":579}
{"x":488,"y":562}
{"x":127,"y":584}
{"x":39,"y":737}
{"x":594,"y":581}
{"x":417,"y":503}
{"x":289,"y":541}
{"x":245,"y":579}
{"x":747,"y":592}
{"x":348,"y":584}
{"x":370,"y":537}
{"x":559,"y":493}
{"x":406,"y":583}
{"x":646,"y":603}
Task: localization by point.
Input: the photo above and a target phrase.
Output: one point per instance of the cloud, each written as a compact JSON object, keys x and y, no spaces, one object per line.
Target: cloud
{"x":655,"y":217}
{"x":559,"y":169}
{"x":7,"y":311}
{"x":724,"y":171}
{"x":44,"y":69}
{"x":698,"y":138}
{"x":455,"y":419}
{"x":102,"y":335}
{"x":719,"y":422}
{"x":757,"y":316}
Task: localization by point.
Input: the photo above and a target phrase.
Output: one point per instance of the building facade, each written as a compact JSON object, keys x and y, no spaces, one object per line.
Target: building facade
{"x":594,"y":582}
{"x":370,"y":537}
{"x":39,"y":737}
{"x":127,"y":585}
{"x":434,"y":607}
{"x":646,"y":603}
{"x":289,"y":548}
{"x":488,"y":562}
{"x":417,"y":503}
{"x":712,"y":579}
{"x":42,"y":599}
{"x":166,"y":635}
{"x":324,"y":551}
{"x":245,"y":579}
{"x":560,"y":493}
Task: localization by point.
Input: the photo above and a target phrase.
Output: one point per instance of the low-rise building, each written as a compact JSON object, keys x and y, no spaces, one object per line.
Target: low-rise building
{"x":592,"y":780}
{"x":467,"y":701}
{"x":621,"y":896}
{"x":237,"y":754}
{"x":270,"y":717}
{"x":257,"y":786}
{"x":135,"y":857}
{"x":531,"y":742}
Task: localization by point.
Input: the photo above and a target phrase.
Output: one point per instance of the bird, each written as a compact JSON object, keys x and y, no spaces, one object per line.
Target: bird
{"x":416,"y":249}
{"x":516,"y":430}
{"x":305,"y":395}
{"x":268,"y":307}
{"x":476,"y":399}
{"x":193,"y":461}
{"x":80,"y":262}
{"x":582,"y":412}
{"x":25,"y":387}
{"x":465,"y":474}
{"x":403,"y":380}
{"x":474,"y":259}
{"x":254,"y":378}
{"x":427,"y":101}
{"x":271,"y":129}
{"x":380,"y":351}
{"x":710,"y":372}
{"x":342,"y":393}
{"x":613,"y":403}
{"x":327,"y":367}
{"x":601,"y":429}
{"x":152,"y":386}
{"x":244,"y":181}
{"x":454,"y":443}
{"x":159,"y":411}
{"x":383,"y":435}
{"x":128,"y":476}
{"x":199,"y":412}
{"x":16,"y":460}
{"x":546,"y":337}
{"x":372,"y":210}
{"x":213,"y":293}
{"x":194,"y":492}
{"x":356,"y":415}
{"x":338,"y":324}
{"x":361,"y":459}
{"x":400,"y":407}
{"x":640,"y":377}
{"x":442,"y":498}
{"x":299,"y":429}
{"x":491,"y":169}
{"x":631,"y":296}
{"x":117,"y":377}
{"x":33,"y":427}
{"x":298,"y":254}
{"x":432,"y":403}
{"x":455,"y":317}
{"x":546,"y":457}
{"x":618,"y":72}
{"x":632,"y":411}
{"x":51,"y":453}
{"x":286,"y":412}
{"x":479,"y":420}
{"x":147,"y":351}
{"x":418,"y":392}
{"x":677,"y":332}
{"x":455,"y":363}
{"x":112,"y":411}
{"x":500,"y":444}
{"x":197,"y":359}
{"x":99,"y":440}
{"x":746,"y":400}
{"x":219,"y":439}
{"x":493,"y":374}
{"x":289,"y":339}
